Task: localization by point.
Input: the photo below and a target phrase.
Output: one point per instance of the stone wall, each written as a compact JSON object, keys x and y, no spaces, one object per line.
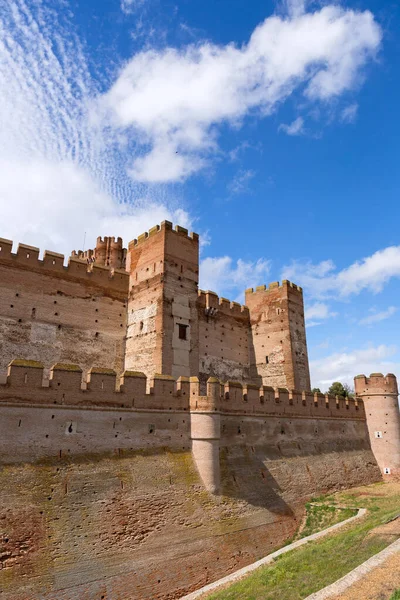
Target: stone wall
{"x":224,"y":341}
{"x":100,"y":495}
{"x":51,"y":313}
{"x":140,"y":525}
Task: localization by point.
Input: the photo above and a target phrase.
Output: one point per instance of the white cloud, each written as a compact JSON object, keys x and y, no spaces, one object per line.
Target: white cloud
{"x":60,"y":175}
{"x":376,"y":317}
{"x":239,"y":183}
{"x":344,"y":366}
{"x":130,"y":6}
{"x":370,"y":273}
{"x":349,"y":114}
{"x":294,"y":8}
{"x":317,"y":312}
{"x":295,"y":128}
{"x":223,"y":276}
{"x":172,"y":100}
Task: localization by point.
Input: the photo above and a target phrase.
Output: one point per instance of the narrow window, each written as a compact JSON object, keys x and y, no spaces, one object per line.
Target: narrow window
{"x":266,"y":360}
{"x":182,"y":331}
{"x":141,"y":326}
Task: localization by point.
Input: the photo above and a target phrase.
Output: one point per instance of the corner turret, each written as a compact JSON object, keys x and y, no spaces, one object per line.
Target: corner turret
{"x":380,"y":396}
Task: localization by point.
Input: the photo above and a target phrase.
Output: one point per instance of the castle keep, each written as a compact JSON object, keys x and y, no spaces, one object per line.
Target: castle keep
{"x":140,"y":309}
{"x":154,"y":437}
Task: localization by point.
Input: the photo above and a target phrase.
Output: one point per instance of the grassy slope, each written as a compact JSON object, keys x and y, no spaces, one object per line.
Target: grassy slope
{"x":320,"y":517}
{"x":301,"y":572}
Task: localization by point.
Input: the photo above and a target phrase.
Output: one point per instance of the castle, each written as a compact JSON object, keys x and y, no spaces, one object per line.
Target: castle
{"x":140,"y":309}
{"x":120,"y":355}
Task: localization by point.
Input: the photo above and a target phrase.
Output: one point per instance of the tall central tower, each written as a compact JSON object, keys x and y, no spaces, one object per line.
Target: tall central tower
{"x":162,"y":335}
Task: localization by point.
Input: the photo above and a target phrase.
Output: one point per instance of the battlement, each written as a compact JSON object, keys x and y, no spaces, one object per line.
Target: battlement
{"x":101,"y":387}
{"x":280,"y":401}
{"x":214,"y":305}
{"x":109,"y":240}
{"x":376,"y":384}
{"x":274,"y":286}
{"x":165,"y":226}
{"x":25,"y":384}
{"x":27,"y":257}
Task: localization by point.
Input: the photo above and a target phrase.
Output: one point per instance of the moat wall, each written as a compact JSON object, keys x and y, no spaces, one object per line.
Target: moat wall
{"x":100,"y":495}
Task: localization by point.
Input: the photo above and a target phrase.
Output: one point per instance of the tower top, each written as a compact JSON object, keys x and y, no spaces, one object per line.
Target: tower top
{"x":376,"y":384}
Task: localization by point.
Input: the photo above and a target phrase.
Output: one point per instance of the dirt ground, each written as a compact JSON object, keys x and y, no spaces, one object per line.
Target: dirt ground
{"x":382,"y":581}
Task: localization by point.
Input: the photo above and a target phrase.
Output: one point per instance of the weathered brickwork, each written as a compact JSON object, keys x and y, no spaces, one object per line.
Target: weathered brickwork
{"x":141,"y":309}
{"x":154,"y":437}
{"x":51,"y":313}
{"x":112,"y":501}
{"x":278,"y":334}
{"x":380,"y":395}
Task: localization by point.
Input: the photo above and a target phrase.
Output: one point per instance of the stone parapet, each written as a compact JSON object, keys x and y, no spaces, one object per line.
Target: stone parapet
{"x":27,"y":257}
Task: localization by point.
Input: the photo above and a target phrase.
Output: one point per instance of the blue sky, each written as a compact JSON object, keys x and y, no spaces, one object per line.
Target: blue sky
{"x":269,"y":127}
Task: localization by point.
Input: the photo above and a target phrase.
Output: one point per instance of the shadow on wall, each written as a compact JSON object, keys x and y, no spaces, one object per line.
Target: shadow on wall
{"x":244,"y":476}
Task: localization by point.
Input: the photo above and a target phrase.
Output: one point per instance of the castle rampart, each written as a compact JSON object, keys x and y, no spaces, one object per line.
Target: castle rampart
{"x":150,"y":317}
{"x":135,"y":393}
{"x":228,"y":413}
{"x":51,"y":312}
{"x":141,"y":451}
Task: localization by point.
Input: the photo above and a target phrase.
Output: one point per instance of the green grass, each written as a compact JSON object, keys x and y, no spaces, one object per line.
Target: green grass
{"x":395,"y":596}
{"x":295,"y":575}
{"x":320,"y":517}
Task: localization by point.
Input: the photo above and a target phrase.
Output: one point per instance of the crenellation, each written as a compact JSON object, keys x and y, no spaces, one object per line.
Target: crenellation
{"x":101,"y":387}
{"x":141,"y":364}
{"x":27,"y":254}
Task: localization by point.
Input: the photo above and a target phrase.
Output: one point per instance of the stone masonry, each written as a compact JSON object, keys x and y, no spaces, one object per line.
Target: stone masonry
{"x":155,"y":437}
{"x":141,"y":309}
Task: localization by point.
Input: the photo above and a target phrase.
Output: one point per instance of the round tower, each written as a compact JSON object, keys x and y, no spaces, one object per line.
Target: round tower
{"x":380,"y":397}
{"x":205,"y":435}
{"x":110,"y":253}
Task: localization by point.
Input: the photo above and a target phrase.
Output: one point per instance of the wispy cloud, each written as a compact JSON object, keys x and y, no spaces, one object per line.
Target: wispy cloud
{"x":295,"y":128}
{"x":323,"y":280}
{"x":376,"y":317}
{"x":349,"y":114}
{"x":240,"y":183}
{"x":205,"y":85}
{"x":61,"y":175}
{"x":131,"y":6}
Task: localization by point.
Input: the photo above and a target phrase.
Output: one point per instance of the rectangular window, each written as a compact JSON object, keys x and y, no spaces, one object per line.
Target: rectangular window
{"x":266,"y":360}
{"x":182,"y":331}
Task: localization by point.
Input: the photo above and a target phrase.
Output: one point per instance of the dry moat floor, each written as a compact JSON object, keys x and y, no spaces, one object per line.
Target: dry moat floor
{"x":301,"y":572}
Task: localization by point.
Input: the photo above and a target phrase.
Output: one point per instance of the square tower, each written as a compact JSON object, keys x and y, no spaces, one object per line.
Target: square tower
{"x":162,"y":333}
{"x":279,"y":347}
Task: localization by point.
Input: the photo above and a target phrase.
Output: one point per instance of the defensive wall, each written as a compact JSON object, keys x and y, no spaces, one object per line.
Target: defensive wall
{"x":52,"y":312}
{"x":108,"y":474}
{"x":225,"y":344}
{"x":148,"y":315}
{"x":118,"y":482}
